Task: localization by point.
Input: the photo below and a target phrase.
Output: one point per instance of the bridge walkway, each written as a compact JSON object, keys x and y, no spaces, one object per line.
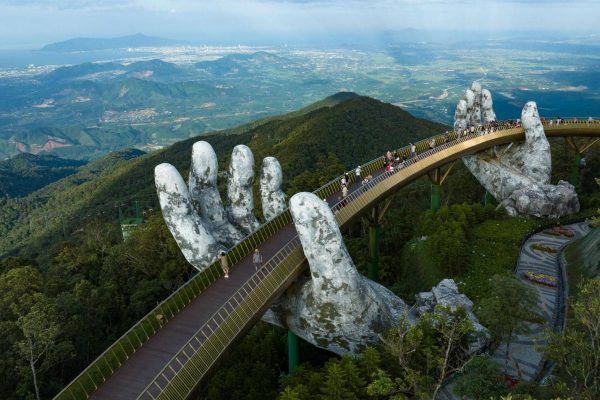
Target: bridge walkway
{"x":170,"y":362}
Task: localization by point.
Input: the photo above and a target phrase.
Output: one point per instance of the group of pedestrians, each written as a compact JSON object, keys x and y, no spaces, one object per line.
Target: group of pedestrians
{"x":257,"y":261}
{"x":345,"y":183}
{"x":394,"y":161}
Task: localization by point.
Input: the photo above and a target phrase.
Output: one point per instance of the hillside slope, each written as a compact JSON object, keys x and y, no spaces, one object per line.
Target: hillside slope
{"x":352,"y":131}
{"x":26,"y":173}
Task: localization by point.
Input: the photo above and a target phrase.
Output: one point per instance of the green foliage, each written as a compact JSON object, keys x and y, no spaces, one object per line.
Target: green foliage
{"x":481,"y":378}
{"x":575,"y":351}
{"x":508,"y":307}
{"x":494,"y":246}
{"x":336,"y":385}
{"x":251,"y":370}
{"x":25,"y":173}
{"x":413,"y":361}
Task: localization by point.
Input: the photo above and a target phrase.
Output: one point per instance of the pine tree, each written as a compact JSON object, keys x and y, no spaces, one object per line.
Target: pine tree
{"x":336,"y":385}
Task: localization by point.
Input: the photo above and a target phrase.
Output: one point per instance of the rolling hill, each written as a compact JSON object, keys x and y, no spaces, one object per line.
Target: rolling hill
{"x":340,"y":132}
{"x":26,"y":173}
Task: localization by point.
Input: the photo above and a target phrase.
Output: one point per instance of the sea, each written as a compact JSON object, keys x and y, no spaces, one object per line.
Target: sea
{"x":11,"y":59}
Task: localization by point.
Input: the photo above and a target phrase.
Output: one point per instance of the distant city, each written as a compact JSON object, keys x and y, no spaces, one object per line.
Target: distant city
{"x":127,"y":97}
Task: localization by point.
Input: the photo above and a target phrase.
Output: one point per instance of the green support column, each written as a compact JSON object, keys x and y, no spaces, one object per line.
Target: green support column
{"x":436,"y":197}
{"x":293,"y":351}
{"x":374,"y":239}
{"x":576,"y":174}
{"x":488,"y":199}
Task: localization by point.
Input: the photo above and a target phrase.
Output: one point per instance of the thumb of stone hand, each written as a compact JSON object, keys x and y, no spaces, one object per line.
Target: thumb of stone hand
{"x":337,"y":308}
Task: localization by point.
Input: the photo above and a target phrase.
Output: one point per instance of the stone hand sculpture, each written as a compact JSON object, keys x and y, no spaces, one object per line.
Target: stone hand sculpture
{"x":337,"y":308}
{"x":334,"y":308}
{"x":517,"y":175}
{"x":195,"y":215}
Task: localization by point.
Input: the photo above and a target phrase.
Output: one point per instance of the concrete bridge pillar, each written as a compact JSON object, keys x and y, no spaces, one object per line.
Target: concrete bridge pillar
{"x":488,"y":199}
{"x":580,"y":151}
{"x":437,"y":178}
{"x":436,"y":196}
{"x":293,"y":351}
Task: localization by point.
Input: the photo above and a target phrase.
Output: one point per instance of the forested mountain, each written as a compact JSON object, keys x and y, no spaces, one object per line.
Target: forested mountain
{"x":313,"y":146}
{"x":64,"y":259}
{"x":26,"y":173}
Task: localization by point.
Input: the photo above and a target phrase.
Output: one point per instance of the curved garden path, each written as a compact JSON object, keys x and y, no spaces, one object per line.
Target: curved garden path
{"x":525,"y":361}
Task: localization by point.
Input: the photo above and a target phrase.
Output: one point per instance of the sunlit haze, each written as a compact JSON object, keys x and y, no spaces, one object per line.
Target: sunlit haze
{"x":31,"y":23}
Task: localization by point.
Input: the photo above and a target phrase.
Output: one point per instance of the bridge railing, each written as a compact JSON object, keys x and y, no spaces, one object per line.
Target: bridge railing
{"x":91,"y":378}
{"x":100,"y":370}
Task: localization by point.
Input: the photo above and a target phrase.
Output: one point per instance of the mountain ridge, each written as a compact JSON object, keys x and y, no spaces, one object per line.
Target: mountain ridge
{"x":312,"y":148}
{"x":94,"y":44}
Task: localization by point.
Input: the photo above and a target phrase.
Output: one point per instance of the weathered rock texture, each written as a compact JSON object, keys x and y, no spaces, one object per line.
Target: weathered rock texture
{"x":206,"y":197}
{"x":446,"y":294}
{"x":272,"y":197}
{"x":196,"y":217}
{"x":517,"y":175}
{"x":552,"y":201}
{"x":197,"y":245}
{"x":239,"y":190}
{"x":337,"y":308}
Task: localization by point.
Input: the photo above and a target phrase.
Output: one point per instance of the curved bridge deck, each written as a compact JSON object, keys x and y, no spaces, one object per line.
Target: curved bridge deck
{"x":167,"y":353}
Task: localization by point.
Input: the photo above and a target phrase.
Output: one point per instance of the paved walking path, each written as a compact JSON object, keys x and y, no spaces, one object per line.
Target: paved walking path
{"x":525,"y":362}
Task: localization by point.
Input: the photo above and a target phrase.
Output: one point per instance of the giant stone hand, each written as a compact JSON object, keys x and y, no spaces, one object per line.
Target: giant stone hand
{"x":196,"y":216}
{"x":334,"y":308}
{"x":517,"y":175}
{"x":337,"y":308}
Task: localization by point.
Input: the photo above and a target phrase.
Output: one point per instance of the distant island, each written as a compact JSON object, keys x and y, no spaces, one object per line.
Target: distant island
{"x":92,"y":44}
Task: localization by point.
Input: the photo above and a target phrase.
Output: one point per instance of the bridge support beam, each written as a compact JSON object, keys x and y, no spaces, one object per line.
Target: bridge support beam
{"x":374,"y":219}
{"x":374,"y":244}
{"x":293,"y":351}
{"x":579,"y":153}
{"x":488,"y":199}
{"x":436,"y":197}
{"x":437,"y":179}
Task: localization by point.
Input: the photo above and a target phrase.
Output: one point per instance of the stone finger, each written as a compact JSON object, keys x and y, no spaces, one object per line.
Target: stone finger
{"x":205,"y":195}
{"x":475,"y":116}
{"x":535,"y":160}
{"x":460,"y":116}
{"x":272,"y":197}
{"x":331,"y":266}
{"x":240,"y":207}
{"x":487,"y":107}
{"x":196,"y":243}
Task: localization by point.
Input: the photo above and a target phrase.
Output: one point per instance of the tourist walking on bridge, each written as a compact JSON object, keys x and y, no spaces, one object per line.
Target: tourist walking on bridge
{"x":224,"y":264}
{"x":358,"y":172}
{"x":257,"y":259}
{"x":344,"y":195}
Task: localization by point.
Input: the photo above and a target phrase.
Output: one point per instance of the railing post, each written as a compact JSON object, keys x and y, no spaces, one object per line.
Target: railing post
{"x":293,"y":351}
{"x":436,"y":196}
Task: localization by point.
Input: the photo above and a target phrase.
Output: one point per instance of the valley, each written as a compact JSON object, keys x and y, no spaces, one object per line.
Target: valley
{"x":160,"y":95}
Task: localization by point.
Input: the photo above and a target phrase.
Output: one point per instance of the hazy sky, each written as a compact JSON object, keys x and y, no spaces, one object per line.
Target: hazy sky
{"x":37,"y":22}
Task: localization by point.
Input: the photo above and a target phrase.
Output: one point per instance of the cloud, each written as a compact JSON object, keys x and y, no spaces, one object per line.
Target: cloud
{"x":42,"y":21}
